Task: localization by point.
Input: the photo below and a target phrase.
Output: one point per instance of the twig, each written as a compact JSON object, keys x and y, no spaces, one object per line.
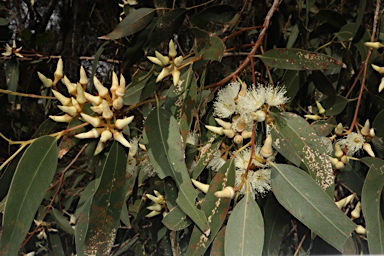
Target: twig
{"x":254,"y":49}
{"x":26,"y":94}
{"x":299,"y":246}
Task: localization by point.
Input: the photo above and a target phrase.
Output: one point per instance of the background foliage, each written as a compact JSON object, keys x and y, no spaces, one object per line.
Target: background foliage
{"x":58,"y":198}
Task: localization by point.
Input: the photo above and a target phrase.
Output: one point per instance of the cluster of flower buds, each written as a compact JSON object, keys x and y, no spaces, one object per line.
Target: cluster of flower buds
{"x":316,"y":117}
{"x":159,"y":205}
{"x":42,"y":227}
{"x":12,"y":50}
{"x":227,"y":192}
{"x":169,"y":63}
{"x":105,"y":124}
{"x":377,"y":45}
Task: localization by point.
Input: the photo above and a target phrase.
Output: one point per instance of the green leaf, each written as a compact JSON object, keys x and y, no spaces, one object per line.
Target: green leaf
{"x":217,"y":14}
{"x":62,"y":221}
{"x":305,"y":200}
{"x":133,"y":92}
{"x":166,"y":153}
{"x":132,"y":23}
{"x":218,"y":244}
{"x":370,"y":201}
{"x":176,"y":219}
{"x":165,"y":27}
{"x":3,"y":22}
{"x":378,"y":123}
{"x":181,"y":100}
{"x":276,"y":221}
{"x":334,"y":105}
{"x":292,"y":82}
{"x":297,"y":59}
{"x":207,"y":46}
{"x":324,"y":127}
{"x":215,"y":208}
{"x":296,"y":140}
{"x":32,"y":178}
{"x":107,"y":202}
{"x":12,"y":77}
{"x":322,"y":83}
{"x":244,"y":234}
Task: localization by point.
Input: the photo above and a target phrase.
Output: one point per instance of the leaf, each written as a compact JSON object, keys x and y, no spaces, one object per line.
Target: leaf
{"x":215,"y":208}
{"x":131,"y":24}
{"x":378,"y":123}
{"x":3,"y":22}
{"x":165,"y":27}
{"x":176,"y":219}
{"x":61,"y":221}
{"x":214,"y":14}
{"x":32,"y":178}
{"x":207,"y":46}
{"x":106,"y":205}
{"x":292,"y":82}
{"x":297,"y":59}
{"x":295,"y":139}
{"x":370,"y":201}
{"x":276,"y":221}
{"x":12,"y":77}
{"x":218,"y":243}
{"x":322,"y":83}
{"x":133,"y":92}
{"x":181,"y":100}
{"x":334,"y":105}
{"x":304,"y":199}
{"x":324,"y":127}
{"x":244,"y":234}
{"x":166,"y":153}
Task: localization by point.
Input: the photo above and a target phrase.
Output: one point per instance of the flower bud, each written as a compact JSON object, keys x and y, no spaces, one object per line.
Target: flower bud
{"x":71,"y":110}
{"x":343,"y":202}
{"x":115,"y":84}
{"x":59,"y":71}
{"x":47,"y":82}
{"x":227,"y":192}
{"x":155,"y":60}
{"x":106,"y":135}
{"x":214,"y":129}
{"x":158,"y":194}
{"x":107,"y":112}
{"x":360,"y":230}
{"x":152,"y":214}
{"x":70,"y":87}
{"x":121,"y":123}
{"x":172,"y":50}
{"x":266,"y":149}
{"x":103,"y":91}
{"x":246,"y":134}
{"x":344,"y":159}
{"x":97,"y":109}
{"x":83,"y":77}
{"x":203,"y":187}
{"x":339,"y":165}
{"x":164,"y":72}
{"x":153,"y":198}
{"x":238,"y":139}
{"x":313,"y":117}
{"x":259,"y":116}
{"x":339,"y":129}
{"x":94,"y":121}
{"x":95,"y":100}
{"x":93,"y":133}
{"x":175,"y":76}
{"x":320,"y":108}
{"x":338,"y":152}
{"x":178,"y":61}
{"x":224,"y":124}
{"x":164,"y":59}
{"x":356,"y":212}
{"x":229,"y":133}
{"x":333,"y":161}
{"x":378,"y":69}
{"x":76,"y":104}
{"x":120,"y":92}
{"x":367,"y":147}
{"x":374,"y":45}
{"x":100,"y":146}
{"x":365,"y":130}
{"x":62,"y":119}
{"x":65,"y":101}
{"x":118,"y":103}
{"x":372,"y":132}
{"x":80,"y":97}
{"x":381,"y":86}
{"x":154,"y":207}
{"x":118,"y":136}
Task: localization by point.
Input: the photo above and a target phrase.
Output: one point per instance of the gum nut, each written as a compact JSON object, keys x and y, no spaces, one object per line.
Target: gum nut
{"x":214,"y":129}
{"x":72,"y":111}
{"x":164,"y":72}
{"x":65,"y":101}
{"x":339,"y":165}
{"x":240,"y":125}
{"x":164,"y":59}
{"x":333,"y":161}
{"x":94,"y":121}
{"x":365,"y":130}
{"x":95,"y":100}
{"x":172,"y":50}
{"x":62,"y":119}
{"x":103,"y":91}
{"x":338,"y":152}
{"x":80,"y":97}
{"x":59,"y":71}
{"x":381,"y":86}
{"x":175,"y":76}
{"x":155,"y":207}
{"x":178,"y":61}
{"x":70,"y":87}
{"x":47,"y":82}
{"x":118,"y":103}
{"x":118,"y":136}
{"x":259,"y":116}
{"x":83,"y":77}
{"x":378,"y":69}
{"x":94,"y":133}
{"x":360,"y":230}
{"x":344,"y":159}
{"x":76,"y":104}
{"x":356,"y":212}
{"x":152,"y":214}
{"x":107,"y":112}
{"x":201,"y":186}
{"x":100,"y":146}
{"x":320,"y":108}
{"x":368,"y":148}
{"x":121,"y":123}
{"x":227,"y":192}
{"x":246,"y":134}
{"x":238,"y":139}
{"x":155,"y":60}
{"x":339,"y":129}
{"x":224,"y":124}
{"x":153,"y":198}
{"x":106,"y":135}
{"x":97,"y":109}
{"x":229,"y":133}
{"x":374,"y":45}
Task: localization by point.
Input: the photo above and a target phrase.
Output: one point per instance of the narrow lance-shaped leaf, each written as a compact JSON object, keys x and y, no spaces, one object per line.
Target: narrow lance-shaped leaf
{"x":105,"y":210}
{"x":12,"y":77}
{"x":33,"y":175}
{"x":166,"y":154}
{"x":244,"y":234}
{"x":297,"y":59}
{"x":304,"y":199}
{"x":370,"y":201}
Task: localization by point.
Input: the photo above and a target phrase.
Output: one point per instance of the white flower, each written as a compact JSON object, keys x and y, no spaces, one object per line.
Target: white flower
{"x":259,"y":181}
{"x":275,"y":96}
{"x":216,"y":162}
{"x":353,"y":141}
{"x":242,"y":159}
{"x":252,"y":101}
{"x":327,"y":144}
{"x":225,"y":105}
{"x":192,"y":138}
